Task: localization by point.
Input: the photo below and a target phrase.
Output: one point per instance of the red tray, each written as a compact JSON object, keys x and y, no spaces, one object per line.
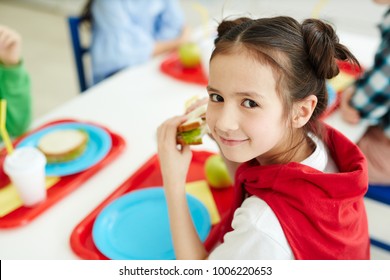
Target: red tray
{"x":172,"y":67}
{"x":149,"y":175}
{"x":65,"y":185}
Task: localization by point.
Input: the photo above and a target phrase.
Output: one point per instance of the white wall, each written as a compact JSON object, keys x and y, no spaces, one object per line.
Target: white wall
{"x":360,"y":16}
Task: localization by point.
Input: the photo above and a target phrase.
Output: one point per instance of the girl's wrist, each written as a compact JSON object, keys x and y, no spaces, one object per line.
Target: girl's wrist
{"x":174,"y":188}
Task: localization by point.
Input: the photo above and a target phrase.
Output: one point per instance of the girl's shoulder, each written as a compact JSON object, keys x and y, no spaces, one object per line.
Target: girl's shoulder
{"x":256,"y":234}
{"x":256,"y":215}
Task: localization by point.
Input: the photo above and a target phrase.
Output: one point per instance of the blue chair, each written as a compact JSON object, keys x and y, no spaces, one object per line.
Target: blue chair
{"x":380,"y":194}
{"x":78,"y":51}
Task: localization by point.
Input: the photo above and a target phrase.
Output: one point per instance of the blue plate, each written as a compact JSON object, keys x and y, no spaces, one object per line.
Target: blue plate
{"x":136,"y":226}
{"x":99,"y":144}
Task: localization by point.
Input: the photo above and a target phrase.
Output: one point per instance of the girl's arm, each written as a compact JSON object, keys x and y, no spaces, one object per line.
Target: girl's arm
{"x":174,"y":164}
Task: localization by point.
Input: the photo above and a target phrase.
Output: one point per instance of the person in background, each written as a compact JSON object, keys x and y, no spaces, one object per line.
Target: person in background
{"x":369,"y":99}
{"x":128,"y":32}
{"x":299,"y":184}
{"x":15,"y":85}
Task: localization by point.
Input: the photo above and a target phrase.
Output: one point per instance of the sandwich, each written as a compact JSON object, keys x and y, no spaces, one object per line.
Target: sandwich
{"x":63,"y":145}
{"x":191,"y":131}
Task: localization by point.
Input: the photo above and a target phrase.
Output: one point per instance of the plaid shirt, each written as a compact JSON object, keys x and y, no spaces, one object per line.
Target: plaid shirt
{"x":372,"y":95}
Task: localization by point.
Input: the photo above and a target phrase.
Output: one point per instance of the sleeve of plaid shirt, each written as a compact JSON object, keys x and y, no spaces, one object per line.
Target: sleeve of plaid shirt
{"x":372,"y":95}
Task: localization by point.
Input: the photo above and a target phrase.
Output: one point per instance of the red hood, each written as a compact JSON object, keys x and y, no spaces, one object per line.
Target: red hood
{"x":322,"y":214}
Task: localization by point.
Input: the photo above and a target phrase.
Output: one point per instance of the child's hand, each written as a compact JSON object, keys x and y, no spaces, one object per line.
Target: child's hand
{"x":10,"y":46}
{"x":348,"y":113}
{"x":174,"y":160}
{"x":184,"y":35}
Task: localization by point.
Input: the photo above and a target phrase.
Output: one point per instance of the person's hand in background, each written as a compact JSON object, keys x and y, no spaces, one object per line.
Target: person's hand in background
{"x":185,"y":35}
{"x":10,"y":46}
{"x":349,"y":114}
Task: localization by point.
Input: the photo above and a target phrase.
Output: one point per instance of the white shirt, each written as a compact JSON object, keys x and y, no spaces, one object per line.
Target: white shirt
{"x":257,"y":233}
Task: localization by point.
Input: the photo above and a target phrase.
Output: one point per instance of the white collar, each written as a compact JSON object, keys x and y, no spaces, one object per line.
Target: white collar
{"x":319,"y":158}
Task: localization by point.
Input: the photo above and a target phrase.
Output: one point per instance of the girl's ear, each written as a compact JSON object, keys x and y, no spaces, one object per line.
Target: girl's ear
{"x":303,"y":111}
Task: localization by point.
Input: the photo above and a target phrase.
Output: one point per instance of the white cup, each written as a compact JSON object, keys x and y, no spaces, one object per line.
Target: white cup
{"x":26,"y":169}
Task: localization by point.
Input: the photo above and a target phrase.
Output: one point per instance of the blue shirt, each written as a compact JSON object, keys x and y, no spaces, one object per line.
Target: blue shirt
{"x":372,"y":95}
{"x":124,"y":32}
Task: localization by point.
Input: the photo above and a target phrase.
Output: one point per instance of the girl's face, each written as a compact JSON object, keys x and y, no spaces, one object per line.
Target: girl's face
{"x":245,"y":113}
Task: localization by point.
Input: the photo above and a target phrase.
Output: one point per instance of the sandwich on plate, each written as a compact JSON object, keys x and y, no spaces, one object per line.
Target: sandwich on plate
{"x":63,"y":145}
{"x":191,"y":131}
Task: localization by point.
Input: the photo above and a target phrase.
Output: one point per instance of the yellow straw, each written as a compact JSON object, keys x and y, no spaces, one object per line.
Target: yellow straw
{"x":204,"y":15}
{"x":3,"y":130}
{"x":318,"y":7}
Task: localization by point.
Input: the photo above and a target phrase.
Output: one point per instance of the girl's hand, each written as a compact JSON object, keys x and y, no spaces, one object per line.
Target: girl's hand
{"x":10,"y":46}
{"x":174,"y":160}
{"x":348,"y":113}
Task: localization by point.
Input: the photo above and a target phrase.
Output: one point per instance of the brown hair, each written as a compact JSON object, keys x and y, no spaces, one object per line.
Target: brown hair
{"x":302,"y":56}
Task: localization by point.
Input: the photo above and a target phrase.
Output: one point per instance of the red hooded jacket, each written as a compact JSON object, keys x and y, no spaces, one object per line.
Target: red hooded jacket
{"x":322,"y":214}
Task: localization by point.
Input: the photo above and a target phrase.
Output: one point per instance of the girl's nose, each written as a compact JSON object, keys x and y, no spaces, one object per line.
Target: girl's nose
{"x":227,"y":120}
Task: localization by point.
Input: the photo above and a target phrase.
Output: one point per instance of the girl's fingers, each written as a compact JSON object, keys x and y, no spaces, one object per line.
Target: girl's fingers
{"x":166,"y":133}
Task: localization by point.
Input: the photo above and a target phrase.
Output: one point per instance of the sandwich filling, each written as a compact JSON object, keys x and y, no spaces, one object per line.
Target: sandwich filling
{"x":192,"y":131}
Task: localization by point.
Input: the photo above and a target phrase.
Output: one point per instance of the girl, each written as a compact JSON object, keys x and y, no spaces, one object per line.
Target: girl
{"x":299,"y":184}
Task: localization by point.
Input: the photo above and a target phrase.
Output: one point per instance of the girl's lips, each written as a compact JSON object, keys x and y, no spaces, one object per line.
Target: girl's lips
{"x":231,"y":142}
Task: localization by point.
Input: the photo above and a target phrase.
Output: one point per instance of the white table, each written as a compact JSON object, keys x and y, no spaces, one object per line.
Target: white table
{"x":133,"y":104}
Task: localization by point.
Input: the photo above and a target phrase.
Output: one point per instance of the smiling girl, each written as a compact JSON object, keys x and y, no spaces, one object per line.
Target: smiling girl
{"x":299,"y":184}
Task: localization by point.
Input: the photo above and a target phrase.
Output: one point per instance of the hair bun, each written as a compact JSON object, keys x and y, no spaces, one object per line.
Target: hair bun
{"x":227,"y":25}
{"x":323,"y":47}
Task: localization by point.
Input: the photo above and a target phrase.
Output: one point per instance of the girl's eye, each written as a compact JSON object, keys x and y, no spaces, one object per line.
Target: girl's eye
{"x":216,"y":97}
{"x":249,"y":103}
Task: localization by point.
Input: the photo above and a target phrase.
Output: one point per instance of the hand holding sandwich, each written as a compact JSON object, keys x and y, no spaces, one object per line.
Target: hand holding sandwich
{"x":174,"y":163}
{"x":174,"y":160}
{"x":174,"y":137}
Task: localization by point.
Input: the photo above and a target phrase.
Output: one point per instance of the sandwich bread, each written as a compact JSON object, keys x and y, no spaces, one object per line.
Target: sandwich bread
{"x":191,"y":131}
{"x":63,"y":145}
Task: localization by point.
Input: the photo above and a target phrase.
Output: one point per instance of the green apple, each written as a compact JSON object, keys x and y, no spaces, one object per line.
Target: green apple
{"x":217,"y":174}
{"x":189,"y":55}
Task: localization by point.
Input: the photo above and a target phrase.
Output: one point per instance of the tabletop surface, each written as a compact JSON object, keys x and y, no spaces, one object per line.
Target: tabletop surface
{"x":133,"y":104}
